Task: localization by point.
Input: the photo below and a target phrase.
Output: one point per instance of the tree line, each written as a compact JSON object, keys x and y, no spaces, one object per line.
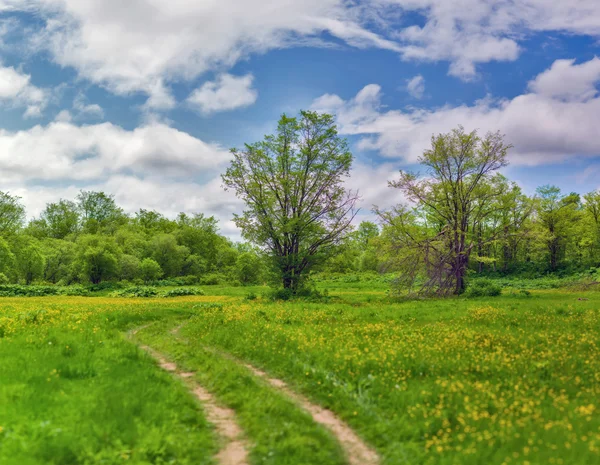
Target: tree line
{"x":90,"y":240}
{"x":460,"y":217}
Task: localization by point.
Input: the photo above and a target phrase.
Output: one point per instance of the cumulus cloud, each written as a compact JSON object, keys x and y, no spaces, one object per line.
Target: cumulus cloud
{"x":469,"y":32}
{"x":17,"y":90}
{"x":153,"y":166}
{"x":416,"y":86}
{"x":85,"y":109}
{"x":144,"y":45}
{"x":62,"y":151}
{"x":545,"y":125}
{"x":227,"y":92}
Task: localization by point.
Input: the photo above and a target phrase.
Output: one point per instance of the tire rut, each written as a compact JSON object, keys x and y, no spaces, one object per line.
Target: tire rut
{"x":356,"y":450}
{"x":235,"y":450}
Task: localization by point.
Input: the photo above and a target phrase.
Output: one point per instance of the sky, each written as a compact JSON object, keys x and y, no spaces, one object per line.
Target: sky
{"x":143,"y":99}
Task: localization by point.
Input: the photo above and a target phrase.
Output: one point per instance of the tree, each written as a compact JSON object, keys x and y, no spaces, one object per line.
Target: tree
{"x":454,"y":198}
{"x":557,"y":215}
{"x":12,"y":213}
{"x":150,"y":270}
{"x":168,"y":254}
{"x":29,"y":259}
{"x":61,"y":219}
{"x":297,"y":207}
{"x":98,"y":210}
{"x":97,"y":258}
{"x":249,"y":268}
{"x":7,"y":258}
{"x":129,"y":267}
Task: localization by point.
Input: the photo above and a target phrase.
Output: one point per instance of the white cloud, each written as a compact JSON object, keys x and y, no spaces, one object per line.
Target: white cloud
{"x":468,"y":32}
{"x":416,"y":86}
{"x":567,"y":81}
{"x":544,"y":125}
{"x":153,"y":166}
{"x":85,"y":109}
{"x":64,"y":116}
{"x":65,"y":152}
{"x":227,"y":92}
{"x":142,"y":45}
{"x":17,"y":90}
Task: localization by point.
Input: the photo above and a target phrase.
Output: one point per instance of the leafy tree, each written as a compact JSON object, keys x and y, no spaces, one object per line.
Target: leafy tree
{"x":366,"y":231}
{"x":96,"y":258}
{"x":98,"y":210}
{"x":7,"y":258}
{"x":61,"y":219}
{"x":129,"y":267}
{"x":30,"y":259}
{"x":556,"y":214}
{"x":12,"y":213}
{"x":168,"y":254}
{"x":150,"y":270}
{"x":249,"y":268}
{"x":297,"y":207}
{"x":453,"y":199}
{"x":59,"y":257}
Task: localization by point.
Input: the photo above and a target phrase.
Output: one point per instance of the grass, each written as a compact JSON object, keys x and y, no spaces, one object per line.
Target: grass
{"x":507,"y":380}
{"x":73,"y":391}
{"x":280,"y":432}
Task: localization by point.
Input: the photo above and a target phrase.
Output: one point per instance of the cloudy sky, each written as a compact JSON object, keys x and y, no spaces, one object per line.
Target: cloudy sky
{"x":143,"y":98}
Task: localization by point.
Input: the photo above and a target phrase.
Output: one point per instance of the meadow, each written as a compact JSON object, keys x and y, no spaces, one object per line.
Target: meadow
{"x":508,"y":380}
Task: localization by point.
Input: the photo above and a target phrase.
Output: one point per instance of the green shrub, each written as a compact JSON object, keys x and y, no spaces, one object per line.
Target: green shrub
{"x":3,"y":279}
{"x":183,"y":291}
{"x":136,"y":291}
{"x":17,"y":290}
{"x":483,"y":288}
{"x":76,"y":290}
{"x":213,"y":279}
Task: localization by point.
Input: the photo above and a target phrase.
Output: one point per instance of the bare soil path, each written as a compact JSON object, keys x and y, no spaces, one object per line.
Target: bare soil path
{"x":235,"y":449}
{"x":356,"y":450}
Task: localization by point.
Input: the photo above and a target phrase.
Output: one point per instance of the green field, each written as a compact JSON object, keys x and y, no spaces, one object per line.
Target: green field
{"x":513,"y":379}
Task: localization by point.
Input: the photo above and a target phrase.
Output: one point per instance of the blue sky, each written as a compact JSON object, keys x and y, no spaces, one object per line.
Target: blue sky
{"x":144,"y":98}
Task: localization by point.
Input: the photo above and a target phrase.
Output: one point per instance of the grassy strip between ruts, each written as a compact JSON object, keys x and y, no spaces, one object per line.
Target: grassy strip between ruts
{"x":281,"y":433}
{"x":73,"y":391}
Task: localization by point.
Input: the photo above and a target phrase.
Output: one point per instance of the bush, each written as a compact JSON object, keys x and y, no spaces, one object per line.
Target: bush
{"x":213,"y":279}
{"x":105,"y":286}
{"x":136,"y":291}
{"x":76,"y":290}
{"x":183,"y":291}
{"x":16,"y":290}
{"x":189,"y":280}
{"x":483,"y":288}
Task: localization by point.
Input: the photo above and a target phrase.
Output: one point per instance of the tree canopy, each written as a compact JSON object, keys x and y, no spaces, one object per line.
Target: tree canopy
{"x":297,"y":206}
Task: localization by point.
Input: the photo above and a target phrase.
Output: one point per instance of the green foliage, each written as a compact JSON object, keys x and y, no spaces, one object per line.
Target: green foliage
{"x":483,"y":288}
{"x":183,"y":291}
{"x":96,"y":259}
{"x":136,"y":291}
{"x":12,"y":214}
{"x":212,"y":279}
{"x":292,"y":182}
{"x":17,"y":290}
{"x":150,"y":270}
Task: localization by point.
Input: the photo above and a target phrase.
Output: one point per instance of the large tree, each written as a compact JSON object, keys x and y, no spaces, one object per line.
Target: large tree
{"x":297,"y":207}
{"x":457,"y":195}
